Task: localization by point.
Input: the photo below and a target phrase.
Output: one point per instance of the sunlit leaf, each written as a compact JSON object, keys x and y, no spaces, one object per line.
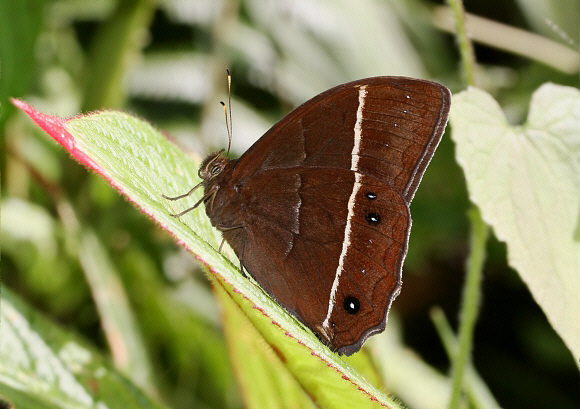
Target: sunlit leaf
{"x":526,"y":181}
{"x":41,"y":366}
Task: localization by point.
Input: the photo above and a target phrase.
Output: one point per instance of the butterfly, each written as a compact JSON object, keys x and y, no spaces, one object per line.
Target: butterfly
{"x":317,"y":210}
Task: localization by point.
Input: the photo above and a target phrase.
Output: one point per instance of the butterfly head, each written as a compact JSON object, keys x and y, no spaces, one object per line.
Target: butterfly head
{"x":212,"y":166}
{"x":212,"y":174}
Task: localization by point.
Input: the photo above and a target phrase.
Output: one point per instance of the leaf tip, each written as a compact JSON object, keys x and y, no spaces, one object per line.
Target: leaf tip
{"x":52,"y":125}
{"x":57,"y":129}
{"x":20,"y":104}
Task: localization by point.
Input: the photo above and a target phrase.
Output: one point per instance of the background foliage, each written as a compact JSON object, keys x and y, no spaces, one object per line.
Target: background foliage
{"x":165,"y":61}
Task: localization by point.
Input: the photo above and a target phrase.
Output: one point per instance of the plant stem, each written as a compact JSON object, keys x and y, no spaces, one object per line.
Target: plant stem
{"x":479,"y":233}
{"x":477,"y":391}
{"x":463,"y":42}
{"x":470,"y":303}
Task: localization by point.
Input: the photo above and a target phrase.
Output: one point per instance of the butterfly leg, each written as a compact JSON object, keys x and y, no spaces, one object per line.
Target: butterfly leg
{"x":228,"y":228}
{"x":241,"y":260}
{"x":189,"y":209}
{"x":183,"y":195}
{"x":205,"y":197}
{"x":221,"y":245}
{"x":241,"y":265}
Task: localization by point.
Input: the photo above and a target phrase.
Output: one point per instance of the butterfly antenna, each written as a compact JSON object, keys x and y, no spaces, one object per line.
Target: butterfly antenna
{"x":227,"y":123}
{"x":230,"y":109}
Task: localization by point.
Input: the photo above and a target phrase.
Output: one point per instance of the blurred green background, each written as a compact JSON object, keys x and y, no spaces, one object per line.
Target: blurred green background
{"x":165,"y":61}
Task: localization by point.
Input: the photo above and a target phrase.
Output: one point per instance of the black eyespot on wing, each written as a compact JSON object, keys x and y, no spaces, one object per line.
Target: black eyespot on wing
{"x":373,"y":218}
{"x":351,"y":305}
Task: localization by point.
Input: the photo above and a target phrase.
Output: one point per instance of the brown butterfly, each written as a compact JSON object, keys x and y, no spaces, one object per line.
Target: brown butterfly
{"x":317,"y":210}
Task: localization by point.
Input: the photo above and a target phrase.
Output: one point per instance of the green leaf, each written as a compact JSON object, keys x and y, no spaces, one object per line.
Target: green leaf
{"x":526,"y":181}
{"x":143,"y":165}
{"x":118,"y":321}
{"x":117,"y":45}
{"x":41,"y":366}
{"x":264,"y":380}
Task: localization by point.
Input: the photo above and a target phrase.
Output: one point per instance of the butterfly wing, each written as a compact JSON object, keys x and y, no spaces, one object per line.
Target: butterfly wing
{"x":324,"y":202}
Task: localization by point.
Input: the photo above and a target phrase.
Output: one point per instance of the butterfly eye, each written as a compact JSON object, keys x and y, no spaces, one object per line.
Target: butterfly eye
{"x":216,"y":169}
